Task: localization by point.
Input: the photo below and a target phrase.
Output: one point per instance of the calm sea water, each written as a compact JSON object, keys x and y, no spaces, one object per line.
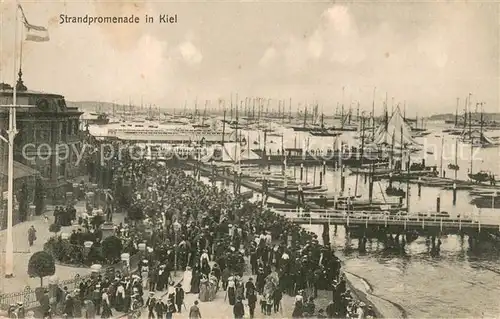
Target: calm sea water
{"x":459,"y":283}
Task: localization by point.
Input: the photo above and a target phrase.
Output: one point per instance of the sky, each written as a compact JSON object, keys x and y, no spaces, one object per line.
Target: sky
{"x":422,"y":54}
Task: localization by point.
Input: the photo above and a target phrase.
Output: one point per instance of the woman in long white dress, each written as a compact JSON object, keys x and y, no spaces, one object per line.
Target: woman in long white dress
{"x":186,"y":281}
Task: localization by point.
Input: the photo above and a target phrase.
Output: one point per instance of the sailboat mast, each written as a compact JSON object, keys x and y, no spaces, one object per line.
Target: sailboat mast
{"x":305,"y":117}
{"x":401,"y":147}
{"x":236,"y":133}
{"x":456,"y":158}
{"x":342,"y":107}
{"x":465,"y":113}
{"x":407,"y":182}
{"x":481,"y":124}
{"x":441,"y":162}
{"x":471,"y":142}
{"x":373,"y":112}
{"x":204,"y":113}
{"x":253,"y":109}
{"x":223,"y":130}
{"x":195,"y":109}
{"x":456,"y":112}
{"x":361,"y":151}
{"x":231,"y":111}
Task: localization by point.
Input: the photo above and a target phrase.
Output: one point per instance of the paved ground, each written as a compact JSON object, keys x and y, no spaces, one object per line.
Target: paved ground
{"x":220,"y":308}
{"x":22,"y":253}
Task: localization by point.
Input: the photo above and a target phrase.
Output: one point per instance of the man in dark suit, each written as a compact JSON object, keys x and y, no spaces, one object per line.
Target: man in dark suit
{"x":238,"y":309}
{"x":179,"y":297}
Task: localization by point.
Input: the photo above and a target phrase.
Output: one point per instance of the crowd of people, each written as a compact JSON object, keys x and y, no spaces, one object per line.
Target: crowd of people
{"x":220,"y":241}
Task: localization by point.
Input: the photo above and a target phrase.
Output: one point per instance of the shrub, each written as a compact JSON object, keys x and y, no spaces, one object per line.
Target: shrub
{"x":41,"y":264}
{"x":54,"y":228}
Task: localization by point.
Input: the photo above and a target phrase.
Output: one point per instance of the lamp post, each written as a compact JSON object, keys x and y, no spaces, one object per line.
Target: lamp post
{"x":11,"y":132}
{"x":214,"y":175}
{"x":177,"y":227}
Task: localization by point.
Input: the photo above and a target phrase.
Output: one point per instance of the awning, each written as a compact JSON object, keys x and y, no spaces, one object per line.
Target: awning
{"x":20,"y":170}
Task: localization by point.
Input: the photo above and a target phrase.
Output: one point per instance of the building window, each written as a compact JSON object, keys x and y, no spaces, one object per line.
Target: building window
{"x":47,"y":171}
{"x":62,"y":169}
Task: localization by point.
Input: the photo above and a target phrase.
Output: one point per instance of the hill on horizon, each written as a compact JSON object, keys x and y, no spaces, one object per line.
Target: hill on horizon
{"x":107,"y":107}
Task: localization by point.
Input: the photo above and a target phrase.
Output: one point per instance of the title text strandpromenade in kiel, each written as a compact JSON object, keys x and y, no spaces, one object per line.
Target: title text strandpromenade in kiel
{"x":132,"y":19}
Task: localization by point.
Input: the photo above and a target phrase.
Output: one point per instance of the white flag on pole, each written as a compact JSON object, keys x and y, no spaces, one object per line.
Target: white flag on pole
{"x":34,"y":33}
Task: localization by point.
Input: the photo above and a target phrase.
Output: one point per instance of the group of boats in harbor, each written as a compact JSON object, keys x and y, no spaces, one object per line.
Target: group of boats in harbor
{"x":381,"y":148}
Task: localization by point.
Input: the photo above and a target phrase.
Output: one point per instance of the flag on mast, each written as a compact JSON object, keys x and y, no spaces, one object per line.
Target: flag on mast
{"x":34,"y":33}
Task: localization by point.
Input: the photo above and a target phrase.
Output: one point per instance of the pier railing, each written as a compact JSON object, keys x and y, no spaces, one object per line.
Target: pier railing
{"x":326,"y":216}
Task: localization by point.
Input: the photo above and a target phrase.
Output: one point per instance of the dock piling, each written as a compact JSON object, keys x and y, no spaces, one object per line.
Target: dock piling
{"x":454,"y":194}
{"x":324,"y":167}
{"x":342,"y":179}
{"x":321,"y":178}
{"x":370,"y":190}
{"x":301,"y":172}
{"x":419,"y":187}
{"x":438,"y":204}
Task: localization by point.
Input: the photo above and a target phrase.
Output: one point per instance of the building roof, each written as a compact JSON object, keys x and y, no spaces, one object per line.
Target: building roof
{"x":20,"y":170}
{"x":9,"y":92}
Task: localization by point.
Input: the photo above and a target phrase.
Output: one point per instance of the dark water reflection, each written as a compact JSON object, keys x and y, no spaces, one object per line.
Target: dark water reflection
{"x":458,"y":283}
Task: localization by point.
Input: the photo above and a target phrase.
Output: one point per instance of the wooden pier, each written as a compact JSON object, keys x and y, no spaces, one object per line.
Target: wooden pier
{"x":445,"y":225}
{"x":411,"y":221}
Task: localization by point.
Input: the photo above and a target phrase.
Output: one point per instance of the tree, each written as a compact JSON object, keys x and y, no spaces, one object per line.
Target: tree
{"x":112,"y":248}
{"x":39,"y":197}
{"x":41,"y":264}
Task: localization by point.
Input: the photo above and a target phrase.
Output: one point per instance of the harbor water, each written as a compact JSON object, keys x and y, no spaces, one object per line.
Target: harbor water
{"x":459,"y":282}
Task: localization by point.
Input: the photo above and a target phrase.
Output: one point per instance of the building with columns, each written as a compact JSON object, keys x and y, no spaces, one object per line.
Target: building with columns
{"x":48,"y":140}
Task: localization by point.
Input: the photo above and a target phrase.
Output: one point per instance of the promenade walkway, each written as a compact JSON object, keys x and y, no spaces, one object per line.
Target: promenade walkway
{"x":220,"y":308}
{"x":22,"y":252}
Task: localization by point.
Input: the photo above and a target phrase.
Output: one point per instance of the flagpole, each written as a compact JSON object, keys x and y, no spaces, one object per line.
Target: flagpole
{"x":9,"y":247}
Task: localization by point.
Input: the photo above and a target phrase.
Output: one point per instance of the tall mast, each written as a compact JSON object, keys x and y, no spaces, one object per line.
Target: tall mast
{"x":373,"y":112}
{"x":361,"y":151}
{"x":342,"y":107}
{"x":204,"y":113}
{"x":195,"y":108}
{"x":231,"y":111}
{"x":223,"y":131}
{"x":471,"y":141}
{"x":441,"y":163}
{"x":465,"y":113}
{"x":456,"y":112}
{"x":456,"y":158}
{"x":305,"y":117}
{"x":253,"y":109}
{"x":357,"y":112}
